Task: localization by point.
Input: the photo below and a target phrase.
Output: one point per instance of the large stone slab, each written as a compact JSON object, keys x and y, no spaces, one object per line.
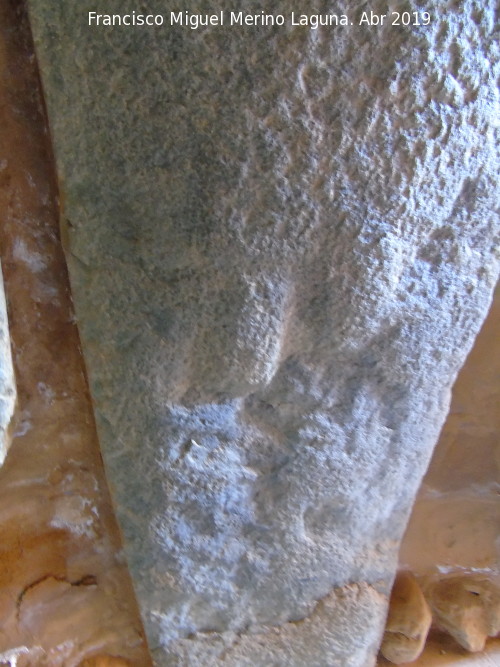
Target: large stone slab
{"x":281,"y":246}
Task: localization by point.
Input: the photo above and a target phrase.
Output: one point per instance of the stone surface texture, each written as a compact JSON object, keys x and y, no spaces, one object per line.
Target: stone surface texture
{"x":468,"y":607}
{"x":441,"y":650}
{"x":7,"y":379}
{"x":281,"y":243}
{"x":453,"y":529}
{"x":408,"y":621}
{"x":65,"y":594}
{"x":454,"y":524}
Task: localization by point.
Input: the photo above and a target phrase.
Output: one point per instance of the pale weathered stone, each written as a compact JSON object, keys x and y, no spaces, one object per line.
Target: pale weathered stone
{"x":339,"y":632}
{"x":7,"y":380}
{"x":281,"y":246}
{"x":467,"y":607}
{"x":408,"y":621}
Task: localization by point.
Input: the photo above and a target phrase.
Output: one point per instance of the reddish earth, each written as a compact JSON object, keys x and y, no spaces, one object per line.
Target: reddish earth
{"x":65,"y":593}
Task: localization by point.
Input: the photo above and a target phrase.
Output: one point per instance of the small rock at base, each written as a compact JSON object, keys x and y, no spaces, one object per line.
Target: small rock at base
{"x":468,"y":608}
{"x":408,"y":621}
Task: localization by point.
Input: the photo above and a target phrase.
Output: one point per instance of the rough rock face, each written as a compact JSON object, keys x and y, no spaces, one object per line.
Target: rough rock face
{"x":467,"y":607}
{"x":7,"y":380}
{"x":280,"y":243}
{"x":408,"y":621}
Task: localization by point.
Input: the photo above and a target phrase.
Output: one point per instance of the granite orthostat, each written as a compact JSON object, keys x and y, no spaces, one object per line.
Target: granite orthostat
{"x":281,"y":244}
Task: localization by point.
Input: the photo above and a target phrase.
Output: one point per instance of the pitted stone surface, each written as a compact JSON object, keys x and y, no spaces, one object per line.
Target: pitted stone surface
{"x":7,"y":379}
{"x":408,"y":621}
{"x":281,"y":244}
{"x":467,"y":607}
{"x":325,"y":637}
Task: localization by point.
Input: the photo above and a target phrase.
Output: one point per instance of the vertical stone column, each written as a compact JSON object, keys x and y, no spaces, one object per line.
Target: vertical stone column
{"x":281,"y":247}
